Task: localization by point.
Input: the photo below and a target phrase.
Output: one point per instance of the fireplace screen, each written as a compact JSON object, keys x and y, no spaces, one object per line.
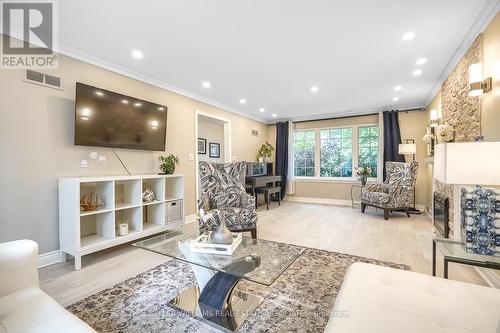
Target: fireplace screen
{"x":441,"y":214}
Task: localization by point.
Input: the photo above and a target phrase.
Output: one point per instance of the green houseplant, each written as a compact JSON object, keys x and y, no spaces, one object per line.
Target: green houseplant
{"x":265,"y":151}
{"x":168,"y":163}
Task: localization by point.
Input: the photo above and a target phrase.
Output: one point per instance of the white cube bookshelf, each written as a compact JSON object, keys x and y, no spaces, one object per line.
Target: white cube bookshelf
{"x":85,"y":232}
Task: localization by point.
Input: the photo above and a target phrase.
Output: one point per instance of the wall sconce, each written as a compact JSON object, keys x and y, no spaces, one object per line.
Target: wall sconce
{"x":434,"y":118}
{"x":478,"y":86}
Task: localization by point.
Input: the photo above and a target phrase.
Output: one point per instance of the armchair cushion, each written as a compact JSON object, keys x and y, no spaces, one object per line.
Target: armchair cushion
{"x":377,"y":198}
{"x":235,"y":219}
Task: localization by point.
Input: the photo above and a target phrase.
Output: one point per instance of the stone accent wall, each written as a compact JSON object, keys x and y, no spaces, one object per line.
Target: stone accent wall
{"x":458,"y":108}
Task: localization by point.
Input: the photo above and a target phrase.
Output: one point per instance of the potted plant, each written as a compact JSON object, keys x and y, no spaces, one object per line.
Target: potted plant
{"x":363,"y":172}
{"x":168,"y":163}
{"x":265,"y":151}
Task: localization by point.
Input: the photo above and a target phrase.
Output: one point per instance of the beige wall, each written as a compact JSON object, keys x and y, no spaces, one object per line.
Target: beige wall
{"x":413,"y":126}
{"x":490,"y":113}
{"x":36,"y":144}
{"x":213,"y":132}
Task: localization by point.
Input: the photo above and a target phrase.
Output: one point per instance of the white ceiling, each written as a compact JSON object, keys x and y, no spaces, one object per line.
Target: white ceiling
{"x":271,"y":52}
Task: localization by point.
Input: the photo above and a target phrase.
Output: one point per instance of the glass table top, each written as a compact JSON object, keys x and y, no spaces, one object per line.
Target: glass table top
{"x":255,"y":260}
{"x":454,"y":249}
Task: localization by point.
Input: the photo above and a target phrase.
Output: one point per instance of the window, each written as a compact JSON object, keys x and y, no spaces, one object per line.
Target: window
{"x":368,"y":147}
{"x":336,"y":152}
{"x":304,"y":146}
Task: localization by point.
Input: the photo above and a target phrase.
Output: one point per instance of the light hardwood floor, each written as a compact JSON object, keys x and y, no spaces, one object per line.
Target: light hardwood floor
{"x":333,"y":228}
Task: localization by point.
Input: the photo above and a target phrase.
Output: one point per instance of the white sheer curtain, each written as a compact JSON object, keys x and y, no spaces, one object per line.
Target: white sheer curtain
{"x":290,"y":184}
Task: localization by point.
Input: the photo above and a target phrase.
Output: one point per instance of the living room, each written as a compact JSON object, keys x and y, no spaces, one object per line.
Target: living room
{"x":250,"y":166}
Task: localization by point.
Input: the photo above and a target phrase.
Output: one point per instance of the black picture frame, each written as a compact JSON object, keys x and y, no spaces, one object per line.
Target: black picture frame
{"x":214,"y":150}
{"x":202,"y":146}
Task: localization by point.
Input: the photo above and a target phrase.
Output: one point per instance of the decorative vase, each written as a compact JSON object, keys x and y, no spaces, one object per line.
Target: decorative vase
{"x":363,"y":179}
{"x":222,"y":235}
{"x":261,"y":159}
{"x":148,"y":195}
{"x":123,"y":229}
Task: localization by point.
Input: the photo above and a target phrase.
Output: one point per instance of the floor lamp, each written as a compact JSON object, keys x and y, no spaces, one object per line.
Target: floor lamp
{"x":410,"y":148}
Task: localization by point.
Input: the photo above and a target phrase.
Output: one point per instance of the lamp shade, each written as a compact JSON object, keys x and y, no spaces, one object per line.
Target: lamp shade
{"x":467,"y":163}
{"x":407,"y":148}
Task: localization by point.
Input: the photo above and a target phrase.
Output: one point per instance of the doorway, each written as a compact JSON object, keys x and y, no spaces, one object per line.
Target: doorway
{"x":212,"y":141}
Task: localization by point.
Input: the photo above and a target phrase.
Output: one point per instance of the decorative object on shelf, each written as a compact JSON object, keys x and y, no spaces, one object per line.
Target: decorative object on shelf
{"x":202,"y":146}
{"x":480,"y":227}
{"x":429,"y":140}
{"x":214,"y":150}
{"x":123,"y":229}
{"x":167,"y":164}
{"x":265,"y":152}
{"x":363,"y":172}
{"x":445,"y":133}
{"x":479,"y":138}
{"x":89,"y":202}
{"x":148,"y":195}
{"x":478,"y":86}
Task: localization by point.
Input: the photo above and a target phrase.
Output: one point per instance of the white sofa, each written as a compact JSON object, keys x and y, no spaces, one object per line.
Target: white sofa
{"x":380,"y":299}
{"x":24,"y":307}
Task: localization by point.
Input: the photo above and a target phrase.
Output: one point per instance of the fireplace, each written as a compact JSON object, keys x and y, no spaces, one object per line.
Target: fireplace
{"x":441,"y":214}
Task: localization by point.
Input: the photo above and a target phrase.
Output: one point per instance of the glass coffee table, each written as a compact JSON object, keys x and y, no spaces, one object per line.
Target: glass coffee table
{"x":212,"y":299}
{"x":453,"y":251}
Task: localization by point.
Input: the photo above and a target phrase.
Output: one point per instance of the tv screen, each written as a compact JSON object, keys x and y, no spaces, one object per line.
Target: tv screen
{"x":107,"y":119}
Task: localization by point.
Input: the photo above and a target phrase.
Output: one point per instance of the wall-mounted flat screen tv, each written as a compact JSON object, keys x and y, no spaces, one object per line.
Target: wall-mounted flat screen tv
{"x":107,"y":119}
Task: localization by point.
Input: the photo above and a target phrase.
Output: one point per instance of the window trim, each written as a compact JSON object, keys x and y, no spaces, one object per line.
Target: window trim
{"x":355,"y":155}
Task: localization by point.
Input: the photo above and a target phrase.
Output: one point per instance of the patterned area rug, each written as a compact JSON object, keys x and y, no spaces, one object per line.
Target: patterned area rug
{"x":299,"y":301}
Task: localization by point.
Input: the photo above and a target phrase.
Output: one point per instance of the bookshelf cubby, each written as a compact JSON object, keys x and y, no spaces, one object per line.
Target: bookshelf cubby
{"x":84,"y":232}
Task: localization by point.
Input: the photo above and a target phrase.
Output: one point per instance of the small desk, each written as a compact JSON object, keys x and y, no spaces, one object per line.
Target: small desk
{"x":453,"y":251}
{"x":360,"y":189}
{"x":261,"y":181}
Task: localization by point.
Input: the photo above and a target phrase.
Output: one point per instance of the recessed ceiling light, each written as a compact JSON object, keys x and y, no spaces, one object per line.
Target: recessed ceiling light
{"x":99,"y":93}
{"x":137,"y":54}
{"x":262,"y":110}
{"x":398,"y":88}
{"x":274,"y":115}
{"x":421,"y":61}
{"x":124,"y":101}
{"x":417,"y":72}
{"x":243,"y":101}
{"x":137,"y":104}
{"x":395,"y":99}
{"x":408,"y":36}
{"x":206,"y":84}
{"x":314,"y":88}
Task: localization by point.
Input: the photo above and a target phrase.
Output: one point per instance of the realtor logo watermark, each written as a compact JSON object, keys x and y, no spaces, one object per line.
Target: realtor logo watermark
{"x":28,"y":39}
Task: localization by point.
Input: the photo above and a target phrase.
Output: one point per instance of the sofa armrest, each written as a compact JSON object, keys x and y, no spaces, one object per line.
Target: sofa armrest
{"x":18,"y":266}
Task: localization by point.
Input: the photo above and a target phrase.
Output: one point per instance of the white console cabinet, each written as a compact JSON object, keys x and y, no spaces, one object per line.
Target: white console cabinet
{"x":81,"y":232}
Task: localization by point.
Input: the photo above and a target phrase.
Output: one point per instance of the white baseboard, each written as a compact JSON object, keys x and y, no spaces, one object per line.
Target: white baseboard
{"x":329,"y":201}
{"x":49,"y":258}
{"x":326,"y":201}
{"x":190,"y":218}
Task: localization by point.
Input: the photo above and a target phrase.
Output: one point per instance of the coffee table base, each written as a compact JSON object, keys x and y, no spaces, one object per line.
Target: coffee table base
{"x":239,"y":306}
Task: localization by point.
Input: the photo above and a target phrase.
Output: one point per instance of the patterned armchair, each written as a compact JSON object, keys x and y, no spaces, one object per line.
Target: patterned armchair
{"x":396,"y":193}
{"x":222,"y":193}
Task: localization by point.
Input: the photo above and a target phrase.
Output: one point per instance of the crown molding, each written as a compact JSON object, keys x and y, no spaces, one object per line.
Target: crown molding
{"x":484,"y":18}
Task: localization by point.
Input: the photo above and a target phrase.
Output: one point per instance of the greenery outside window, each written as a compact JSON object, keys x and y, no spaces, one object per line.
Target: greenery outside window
{"x":334,"y":153}
{"x":304,"y":152}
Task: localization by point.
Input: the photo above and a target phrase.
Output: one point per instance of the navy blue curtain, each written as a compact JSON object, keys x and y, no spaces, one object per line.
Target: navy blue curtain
{"x":392,"y":138}
{"x":282,"y":154}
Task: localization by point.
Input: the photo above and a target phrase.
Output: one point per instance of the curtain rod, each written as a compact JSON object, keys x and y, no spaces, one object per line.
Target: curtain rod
{"x":356,"y":116}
